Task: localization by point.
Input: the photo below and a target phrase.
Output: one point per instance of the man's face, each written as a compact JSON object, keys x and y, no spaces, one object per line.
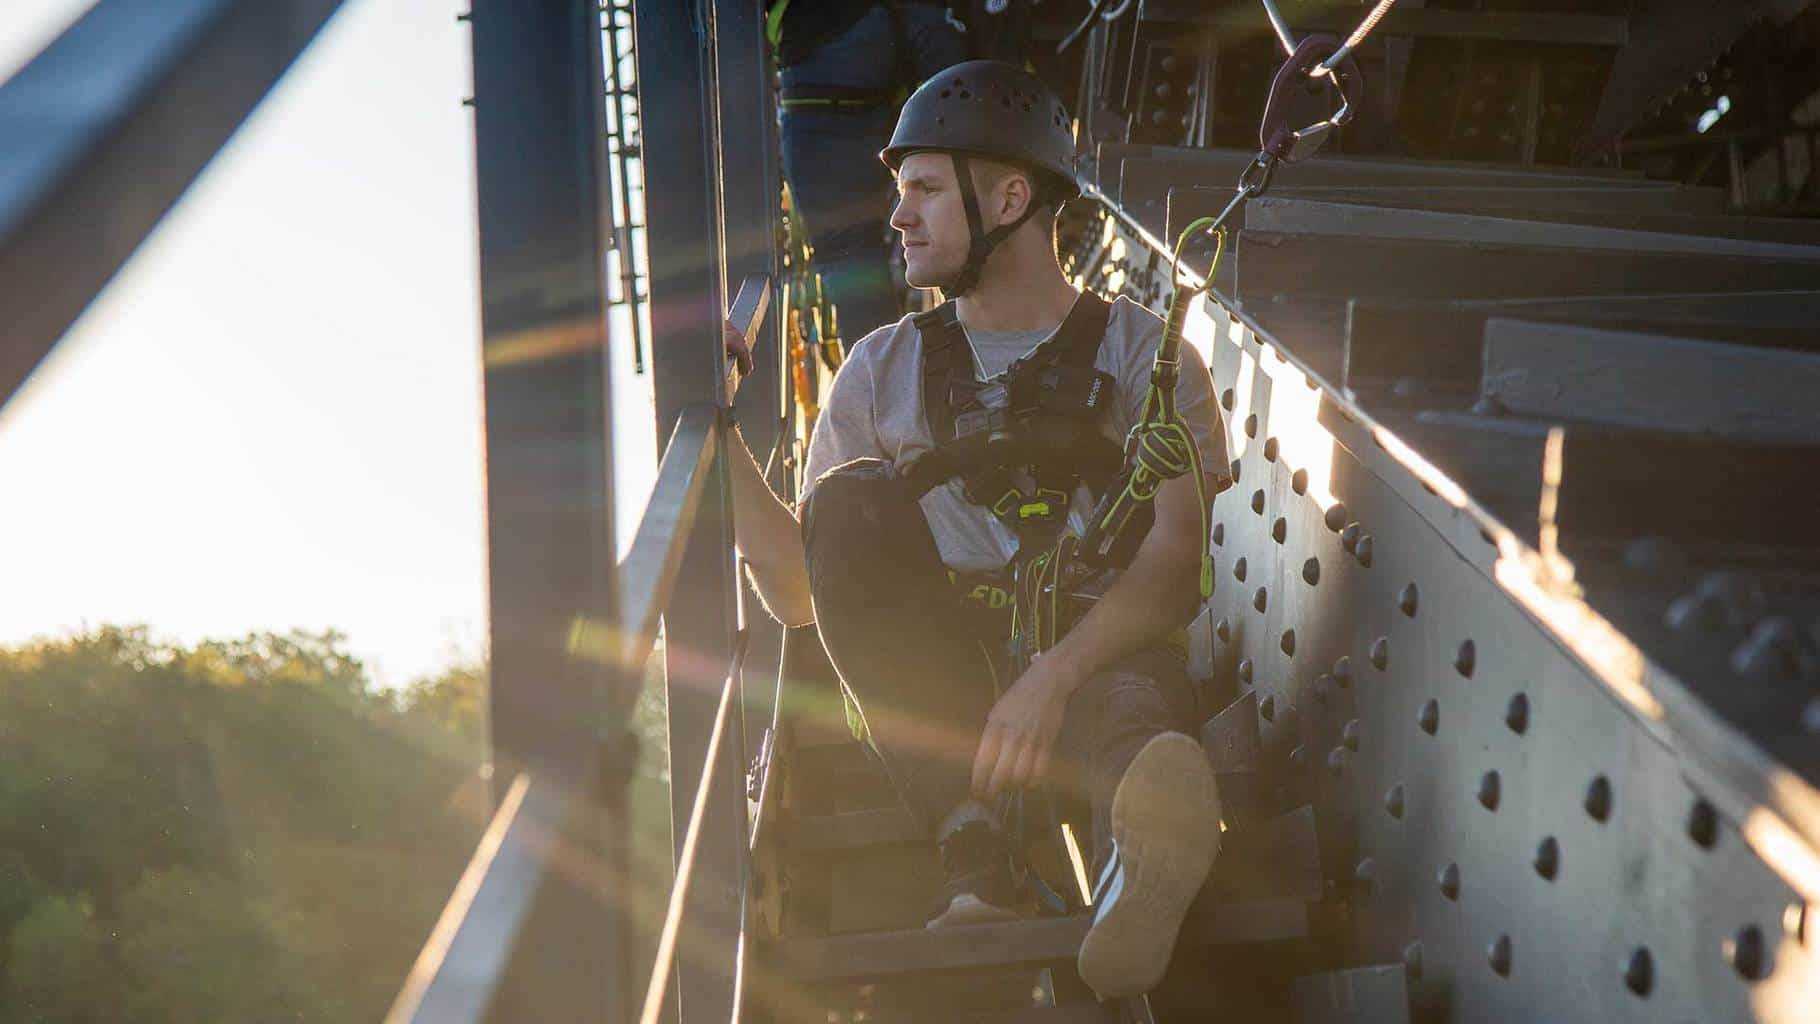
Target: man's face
{"x":931,"y":218}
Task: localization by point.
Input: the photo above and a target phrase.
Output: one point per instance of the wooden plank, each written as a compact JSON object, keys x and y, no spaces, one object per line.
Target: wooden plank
{"x":1620,"y":377}
{"x":853,"y":830}
{"x":1371,"y":995}
{"x":882,"y":954}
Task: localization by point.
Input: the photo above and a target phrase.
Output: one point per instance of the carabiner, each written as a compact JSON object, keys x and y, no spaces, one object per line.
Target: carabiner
{"x":1289,"y":145}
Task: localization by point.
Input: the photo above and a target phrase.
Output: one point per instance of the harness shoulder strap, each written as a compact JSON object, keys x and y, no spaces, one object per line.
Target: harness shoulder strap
{"x":1076,"y":343}
{"x":945,"y":357}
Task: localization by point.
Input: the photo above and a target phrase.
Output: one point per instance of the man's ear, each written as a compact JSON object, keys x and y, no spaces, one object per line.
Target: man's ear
{"x":1018,"y":195}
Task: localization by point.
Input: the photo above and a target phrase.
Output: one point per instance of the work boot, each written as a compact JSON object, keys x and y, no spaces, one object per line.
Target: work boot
{"x":984,"y":885}
{"x":1165,"y":834}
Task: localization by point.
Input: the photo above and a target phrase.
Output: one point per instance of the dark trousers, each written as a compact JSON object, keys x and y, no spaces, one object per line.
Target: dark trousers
{"x":925,"y":668}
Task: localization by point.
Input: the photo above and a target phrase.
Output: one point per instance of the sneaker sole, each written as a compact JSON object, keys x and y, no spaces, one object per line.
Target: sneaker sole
{"x":1166,"y":822}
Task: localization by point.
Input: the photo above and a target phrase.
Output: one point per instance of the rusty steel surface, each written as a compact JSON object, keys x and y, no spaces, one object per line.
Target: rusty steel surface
{"x":1552,"y":692}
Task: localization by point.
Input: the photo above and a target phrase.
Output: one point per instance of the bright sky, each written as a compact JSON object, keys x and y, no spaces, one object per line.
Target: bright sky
{"x":272,"y":418}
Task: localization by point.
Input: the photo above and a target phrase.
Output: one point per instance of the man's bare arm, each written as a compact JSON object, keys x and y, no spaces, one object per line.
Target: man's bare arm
{"x":769,"y":538}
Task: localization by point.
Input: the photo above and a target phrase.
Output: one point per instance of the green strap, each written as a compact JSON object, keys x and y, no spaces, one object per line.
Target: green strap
{"x":774,"y":22}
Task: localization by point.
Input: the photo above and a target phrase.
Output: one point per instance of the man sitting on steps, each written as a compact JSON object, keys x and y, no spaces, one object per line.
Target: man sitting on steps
{"x":959,"y":442}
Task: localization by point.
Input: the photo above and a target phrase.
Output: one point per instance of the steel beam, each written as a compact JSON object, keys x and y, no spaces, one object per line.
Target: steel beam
{"x":106,"y":129}
{"x":679,"y":81}
{"x":545,"y":226}
{"x":1554,"y":370}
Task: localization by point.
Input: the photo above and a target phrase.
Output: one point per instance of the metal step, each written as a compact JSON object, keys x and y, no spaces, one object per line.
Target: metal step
{"x":883,"y":954}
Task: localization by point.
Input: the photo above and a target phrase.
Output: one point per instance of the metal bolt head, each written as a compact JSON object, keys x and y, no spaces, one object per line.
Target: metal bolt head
{"x":1449,"y":880}
{"x":1498,"y":956}
{"x":1261,"y":599}
{"x":1279,"y":530}
{"x":1408,"y":600}
{"x":1699,"y":612}
{"x":1311,"y":570}
{"x":1489,"y":791}
{"x":1640,"y":972}
{"x":1239,"y":568}
{"x":1251,"y":425}
{"x":1516,"y":714}
{"x":1226,"y":399}
{"x":1350,"y":735}
{"x":1298,"y":758}
{"x":1267,"y":709}
{"x":1298,"y":481}
{"x":1271,"y":448}
{"x":1223,"y":630}
{"x":1363,"y":550}
{"x":1365,"y":873}
{"x":1336,"y":761}
{"x":1342,"y":671}
{"x":1257,"y":502}
{"x":1349,"y":537}
{"x":1465,"y":658}
{"x":1429,"y":718}
{"x":1548,"y":858}
{"x":1245,"y":668}
{"x":1598,"y":798}
{"x":1235,"y":470}
{"x":1219,"y":534}
{"x":1335,"y":517}
{"x":1744,"y":951}
{"x":1380,"y":653}
{"x":1393,"y":802}
{"x":1703,"y":824}
{"x":1412,"y":959}
{"x":1287,"y":644}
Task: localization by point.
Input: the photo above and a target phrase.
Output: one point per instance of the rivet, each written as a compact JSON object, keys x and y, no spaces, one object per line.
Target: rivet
{"x":1516,"y":715}
{"x":1223,"y":630}
{"x":1257,"y":502}
{"x":1745,"y":953}
{"x":1323,"y":689}
{"x":1412,"y":959}
{"x":1335,"y":516}
{"x":1363,"y":550}
{"x":1298,"y":758}
{"x":1703,"y":824}
{"x":1267,"y":709}
{"x":1380,"y":653}
{"x":1288,"y":642}
{"x":1235,"y":470}
{"x":1393,"y":802}
{"x":1279,"y":530}
{"x":1488,"y":791}
{"x":1407,"y":600}
{"x":1270,"y":449}
{"x":1311,"y":571}
{"x":1548,"y":858}
{"x":1429,"y":718}
{"x":1640,"y":972}
{"x":1464,"y":659}
{"x":1226,"y":399}
{"x":1238,"y":570}
{"x":1498,"y":956}
{"x":1349,"y":537}
{"x":1773,"y":650}
{"x":1342,"y":671}
{"x":1219,"y":534}
{"x":1251,"y":425}
{"x":1336,"y":761}
{"x":1703,"y":612}
{"x":1598,"y":798}
{"x":1245,"y":672}
{"x":1350,"y":735}
{"x":1298,"y":481}
{"x":1261,"y":599}
{"x":1449,"y":881}
{"x":1366,"y":874}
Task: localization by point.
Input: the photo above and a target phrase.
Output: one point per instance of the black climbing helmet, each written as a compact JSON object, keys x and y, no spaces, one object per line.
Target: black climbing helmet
{"x":994,"y":110}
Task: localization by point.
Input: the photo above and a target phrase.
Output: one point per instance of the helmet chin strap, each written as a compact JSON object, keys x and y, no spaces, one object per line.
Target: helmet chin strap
{"x":980,"y":242}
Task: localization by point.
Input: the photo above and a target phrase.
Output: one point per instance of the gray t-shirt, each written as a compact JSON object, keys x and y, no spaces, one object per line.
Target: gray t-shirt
{"x":875,"y":410}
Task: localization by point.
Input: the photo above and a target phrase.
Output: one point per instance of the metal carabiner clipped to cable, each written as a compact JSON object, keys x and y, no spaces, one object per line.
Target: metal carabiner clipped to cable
{"x":1290,"y":145}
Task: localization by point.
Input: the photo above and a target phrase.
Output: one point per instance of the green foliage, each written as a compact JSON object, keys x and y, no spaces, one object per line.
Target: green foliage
{"x":241,"y":830}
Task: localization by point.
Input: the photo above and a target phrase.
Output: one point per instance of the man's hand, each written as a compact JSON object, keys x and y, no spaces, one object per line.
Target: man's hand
{"x":1022,"y":728}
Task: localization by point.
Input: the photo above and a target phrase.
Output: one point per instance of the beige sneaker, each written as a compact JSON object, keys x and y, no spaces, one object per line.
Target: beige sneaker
{"x":1166,"y":833}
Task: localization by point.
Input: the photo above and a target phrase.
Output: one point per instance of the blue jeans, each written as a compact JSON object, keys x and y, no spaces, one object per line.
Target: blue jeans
{"x":840,"y":189}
